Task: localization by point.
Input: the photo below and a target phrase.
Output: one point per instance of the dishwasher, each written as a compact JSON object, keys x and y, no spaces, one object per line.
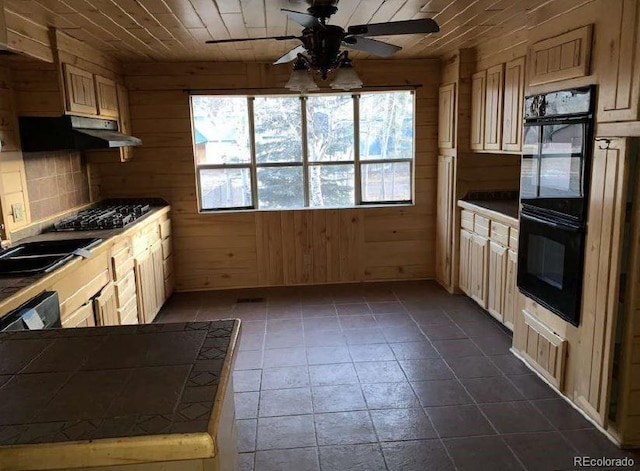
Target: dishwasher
{"x":41,"y":312}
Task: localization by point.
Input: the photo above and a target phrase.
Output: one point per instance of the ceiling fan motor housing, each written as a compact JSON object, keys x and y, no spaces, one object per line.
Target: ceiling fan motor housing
{"x":323,"y":47}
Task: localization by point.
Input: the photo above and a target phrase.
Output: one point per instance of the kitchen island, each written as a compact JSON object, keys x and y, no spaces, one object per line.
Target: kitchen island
{"x":141,"y":397}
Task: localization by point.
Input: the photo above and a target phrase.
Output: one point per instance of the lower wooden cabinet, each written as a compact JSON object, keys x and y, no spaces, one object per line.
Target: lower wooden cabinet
{"x":465,"y":262}
{"x":158,"y":273}
{"x":497,"y":280}
{"x":146,"y":287}
{"x":488,"y":264}
{"x":511,"y":290}
{"x":81,"y":317}
{"x":106,"y":306}
{"x":479,"y":269}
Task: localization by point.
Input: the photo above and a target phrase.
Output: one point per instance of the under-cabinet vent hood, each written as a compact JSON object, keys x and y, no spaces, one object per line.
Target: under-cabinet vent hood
{"x":39,"y":134}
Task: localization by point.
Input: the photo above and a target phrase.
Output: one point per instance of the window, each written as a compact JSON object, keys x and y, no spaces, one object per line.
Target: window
{"x":289,"y":152}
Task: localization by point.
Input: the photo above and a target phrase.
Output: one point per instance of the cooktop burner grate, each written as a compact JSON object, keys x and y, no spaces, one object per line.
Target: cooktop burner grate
{"x":103,"y":217}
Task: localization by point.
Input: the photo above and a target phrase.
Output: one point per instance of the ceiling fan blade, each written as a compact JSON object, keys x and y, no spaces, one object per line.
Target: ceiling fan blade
{"x":370,"y":45}
{"x":304,"y":19}
{"x":291,"y":55}
{"x":277,"y":38}
{"x":424,"y":25}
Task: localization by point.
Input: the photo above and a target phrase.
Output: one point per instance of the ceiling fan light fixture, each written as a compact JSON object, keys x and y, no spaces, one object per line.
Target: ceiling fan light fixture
{"x":301,"y":80}
{"x":346,"y":77}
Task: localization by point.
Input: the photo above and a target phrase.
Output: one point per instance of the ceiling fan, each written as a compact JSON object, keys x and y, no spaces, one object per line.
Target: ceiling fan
{"x":321,"y":42}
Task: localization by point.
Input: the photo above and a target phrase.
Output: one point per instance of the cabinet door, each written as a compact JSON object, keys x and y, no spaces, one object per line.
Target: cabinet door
{"x":464,"y":281}
{"x":126,"y":153}
{"x":106,"y":306}
{"x":479,"y":269}
{"x":146,"y":287}
{"x":493,"y":108}
{"x":80,"y":91}
{"x":619,"y":54}
{"x":497,"y":279}
{"x":511,"y":290}
{"x":81,"y":317}
{"x":107,"y":97}
{"x":513,"y":105}
{"x":444,"y":215}
{"x":478,"y":97}
{"x":158,"y":273}
{"x":446,"y":116}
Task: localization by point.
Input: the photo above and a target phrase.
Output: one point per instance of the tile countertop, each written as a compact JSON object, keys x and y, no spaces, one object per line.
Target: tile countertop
{"x":10,"y":286}
{"x":94,"y":392}
{"x":505,"y":211}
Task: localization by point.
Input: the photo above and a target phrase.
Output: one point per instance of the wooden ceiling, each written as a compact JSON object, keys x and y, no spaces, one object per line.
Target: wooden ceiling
{"x":175,"y":30}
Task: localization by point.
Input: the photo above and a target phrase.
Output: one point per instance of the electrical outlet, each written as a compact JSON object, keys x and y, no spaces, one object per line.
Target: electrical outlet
{"x":17,"y":211}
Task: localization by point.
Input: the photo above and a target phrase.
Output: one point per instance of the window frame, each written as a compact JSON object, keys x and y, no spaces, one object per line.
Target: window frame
{"x":305,"y":163}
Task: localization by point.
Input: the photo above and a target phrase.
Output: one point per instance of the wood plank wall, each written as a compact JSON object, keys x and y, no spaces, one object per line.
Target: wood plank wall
{"x":277,"y":247}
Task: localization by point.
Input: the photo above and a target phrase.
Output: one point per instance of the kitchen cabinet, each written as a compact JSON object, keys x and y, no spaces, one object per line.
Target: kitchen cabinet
{"x":464,"y":281}
{"x":511,"y":290}
{"x":167,"y":257}
{"x":146,"y":287}
{"x":619,"y":56}
{"x":80,"y":91}
{"x":444,"y":224}
{"x":158,"y":273}
{"x":106,"y":306}
{"x":493,"y":108}
{"x":478,"y":97}
{"x":497,"y":101}
{"x":478,"y":269}
{"x":497,"y":275}
{"x":513,"y":105}
{"x":446,"y":116}
{"x":488,"y":261}
{"x":81,"y":317}
{"x":107,"y":97}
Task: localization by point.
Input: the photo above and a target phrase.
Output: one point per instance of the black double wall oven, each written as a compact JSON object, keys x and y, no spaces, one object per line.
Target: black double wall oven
{"x":554,"y":185}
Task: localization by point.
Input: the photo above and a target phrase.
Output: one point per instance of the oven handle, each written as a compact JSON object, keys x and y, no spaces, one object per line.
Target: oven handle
{"x":549,"y":222}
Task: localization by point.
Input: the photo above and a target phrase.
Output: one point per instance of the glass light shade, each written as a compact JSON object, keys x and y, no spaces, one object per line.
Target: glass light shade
{"x":346,"y":79}
{"x":301,"y":81}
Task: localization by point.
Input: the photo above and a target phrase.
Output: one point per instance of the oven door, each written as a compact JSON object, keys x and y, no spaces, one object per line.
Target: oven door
{"x":554,"y":165}
{"x":550,"y":260}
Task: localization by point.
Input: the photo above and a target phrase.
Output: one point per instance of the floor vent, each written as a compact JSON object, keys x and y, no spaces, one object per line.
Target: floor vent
{"x":249,"y":300}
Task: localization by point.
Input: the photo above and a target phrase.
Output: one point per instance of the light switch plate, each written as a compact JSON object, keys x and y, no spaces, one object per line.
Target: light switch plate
{"x":17,"y":211}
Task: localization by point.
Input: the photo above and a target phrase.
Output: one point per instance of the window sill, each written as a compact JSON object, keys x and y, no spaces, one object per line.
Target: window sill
{"x":363,"y":206}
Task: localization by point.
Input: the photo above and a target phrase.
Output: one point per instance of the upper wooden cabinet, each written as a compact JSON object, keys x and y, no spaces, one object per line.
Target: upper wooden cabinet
{"x":478,"y":97}
{"x":446,"y":116}
{"x":493,"y":108}
{"x":497,"y":104}
{"x":88,"y":94}
{"x":107,"y":97}
{"x":513,"y":105}
{"x":80,"y":91}
{"x":619,"y":57}
{"x":562,"y":57}
{"x":126,"y":153}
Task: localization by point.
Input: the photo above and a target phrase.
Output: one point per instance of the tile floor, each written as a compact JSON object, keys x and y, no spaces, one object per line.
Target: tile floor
{"x":386,"y":376}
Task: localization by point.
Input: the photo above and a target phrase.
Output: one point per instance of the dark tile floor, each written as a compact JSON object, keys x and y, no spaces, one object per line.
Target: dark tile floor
{"x":386,"y":376}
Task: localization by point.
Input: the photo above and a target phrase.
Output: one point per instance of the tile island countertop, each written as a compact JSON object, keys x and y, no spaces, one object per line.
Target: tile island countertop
{"x":127,"y":395}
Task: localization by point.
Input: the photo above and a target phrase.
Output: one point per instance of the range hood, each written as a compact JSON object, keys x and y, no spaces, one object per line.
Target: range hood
{"x":40,"y":134}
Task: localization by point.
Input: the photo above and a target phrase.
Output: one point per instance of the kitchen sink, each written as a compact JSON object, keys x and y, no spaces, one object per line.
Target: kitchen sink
{"x":32,"y":258}
{"x":49,"y":247}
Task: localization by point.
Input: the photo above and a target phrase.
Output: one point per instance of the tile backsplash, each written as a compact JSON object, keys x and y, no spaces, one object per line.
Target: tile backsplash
{"x":57,"y":181}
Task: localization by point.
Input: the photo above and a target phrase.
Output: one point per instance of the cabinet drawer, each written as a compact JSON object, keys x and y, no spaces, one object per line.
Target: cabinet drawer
{"x":126,"y":289}
{"x":81,"y":317}
{"x":167,"y":248}
{"x":122,"y":261}
{"x":481,"y":225}
{"x":513,"y":238}
{"x":144,"y":239}
{"x":129,"y":313}
{"x":165,"y":228}
{"x":500,"y":233}
{"x":466,"y":219}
